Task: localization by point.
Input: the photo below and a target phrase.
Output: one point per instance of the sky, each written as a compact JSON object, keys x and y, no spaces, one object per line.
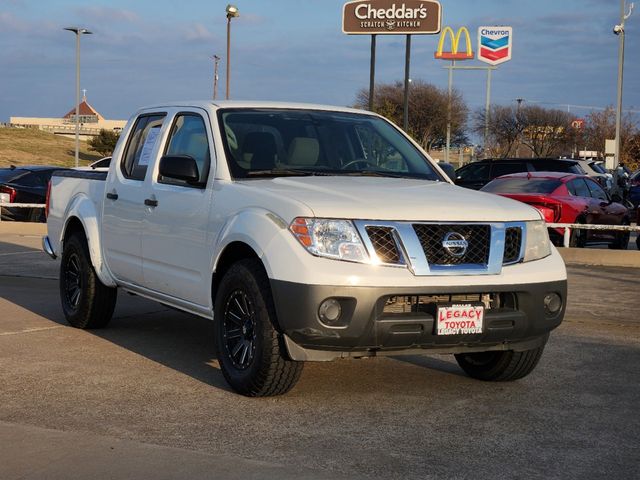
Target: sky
{"x":150,"y":51}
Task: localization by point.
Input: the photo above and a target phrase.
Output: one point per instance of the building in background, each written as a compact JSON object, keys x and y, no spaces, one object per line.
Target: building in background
{"x":91,"y":122}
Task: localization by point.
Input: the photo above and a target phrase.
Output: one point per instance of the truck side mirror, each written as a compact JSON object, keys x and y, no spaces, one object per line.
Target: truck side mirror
{"x":180,"y":167}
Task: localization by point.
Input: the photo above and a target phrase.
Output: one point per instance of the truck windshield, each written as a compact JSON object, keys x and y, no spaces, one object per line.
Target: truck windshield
{"x":283,"y":142}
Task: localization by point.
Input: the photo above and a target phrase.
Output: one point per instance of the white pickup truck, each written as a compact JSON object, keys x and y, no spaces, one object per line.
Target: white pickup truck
{"x":307,"y":233}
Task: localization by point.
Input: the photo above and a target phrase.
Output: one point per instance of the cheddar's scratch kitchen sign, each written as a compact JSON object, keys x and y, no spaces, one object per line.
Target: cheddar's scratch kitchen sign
{"x":391,"y":17}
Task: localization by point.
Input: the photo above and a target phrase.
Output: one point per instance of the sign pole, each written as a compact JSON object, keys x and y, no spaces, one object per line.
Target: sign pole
{"x":372,"y":72}
{"x":486,"y":111}
{"x":407,"y":66}
{"x":447,"y":150}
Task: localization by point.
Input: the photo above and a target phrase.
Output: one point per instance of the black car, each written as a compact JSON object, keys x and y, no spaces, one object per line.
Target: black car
{"x":477,"y":174}
{"x":26,"y":184}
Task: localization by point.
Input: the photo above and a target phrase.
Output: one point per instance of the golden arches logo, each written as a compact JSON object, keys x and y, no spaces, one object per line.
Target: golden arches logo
{"x":454,"y":54}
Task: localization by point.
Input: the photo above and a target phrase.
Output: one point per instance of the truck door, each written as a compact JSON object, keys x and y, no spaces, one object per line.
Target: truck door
{"x":124,"y":200}
{"x":175,"y":238}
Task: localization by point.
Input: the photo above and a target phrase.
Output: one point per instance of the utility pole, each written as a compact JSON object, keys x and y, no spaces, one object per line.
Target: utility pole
{"x":216,"y":60}
{"x":407,"y":66}
{"x":519,"y":101}
{"x":448,"y":146}
{"x":619,"y":30}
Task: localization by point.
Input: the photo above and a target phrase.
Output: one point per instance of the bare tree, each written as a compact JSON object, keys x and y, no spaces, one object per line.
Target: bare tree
{"x":505,"y":128}
{"x":547,"y":132}
{"x":427,"y":111}
{"x":544,"y":132}
{"x":601,"y":126}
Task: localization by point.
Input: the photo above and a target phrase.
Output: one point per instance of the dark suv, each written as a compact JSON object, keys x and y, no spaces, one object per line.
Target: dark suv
{"x":477,"y":174}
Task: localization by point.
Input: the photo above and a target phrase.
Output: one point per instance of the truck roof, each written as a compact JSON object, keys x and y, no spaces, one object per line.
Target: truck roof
{"x":217,"y":104}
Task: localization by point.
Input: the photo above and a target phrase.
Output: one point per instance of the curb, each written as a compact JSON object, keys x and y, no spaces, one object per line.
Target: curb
{"x":601,"y":257}
{"x":23,"y":228}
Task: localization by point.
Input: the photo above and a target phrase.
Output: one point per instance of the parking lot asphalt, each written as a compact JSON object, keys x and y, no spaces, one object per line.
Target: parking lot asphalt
{"x":145,"y":398}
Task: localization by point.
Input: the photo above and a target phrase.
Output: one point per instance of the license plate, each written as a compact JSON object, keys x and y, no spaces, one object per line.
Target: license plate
{"x":459,"y":319}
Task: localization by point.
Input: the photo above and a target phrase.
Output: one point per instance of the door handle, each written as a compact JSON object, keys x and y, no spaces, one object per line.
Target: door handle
{"x":150,"y":202}
{"x":112,"y":196}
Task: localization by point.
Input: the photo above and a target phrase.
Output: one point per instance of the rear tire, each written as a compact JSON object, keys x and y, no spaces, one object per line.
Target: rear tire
{"x":621,"y":241}
{"x":578,"y":238}
{"x":247,"y":343}
{"x":86,"y":301}
{"x":36,"y":215}
{"x":502,"y":366}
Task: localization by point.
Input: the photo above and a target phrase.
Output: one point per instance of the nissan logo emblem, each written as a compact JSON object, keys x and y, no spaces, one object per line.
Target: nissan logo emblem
{"x":455,"y":244}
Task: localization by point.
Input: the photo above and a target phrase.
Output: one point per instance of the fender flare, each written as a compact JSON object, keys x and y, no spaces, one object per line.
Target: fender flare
{"x":82,"y":208}
{"x":255,"y":227}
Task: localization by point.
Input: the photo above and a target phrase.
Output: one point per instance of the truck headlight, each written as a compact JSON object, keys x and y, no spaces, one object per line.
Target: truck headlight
{"x":538,"y":245}
{"x":324,"y":237}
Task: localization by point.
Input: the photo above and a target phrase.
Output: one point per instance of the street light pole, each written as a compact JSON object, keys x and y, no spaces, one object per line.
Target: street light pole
{"x":78,"y":31}
{"x":619,"y":30}
{"x":232,"y":12}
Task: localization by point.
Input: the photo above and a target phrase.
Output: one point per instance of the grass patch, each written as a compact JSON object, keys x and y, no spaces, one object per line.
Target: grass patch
{"x":28,"y":146}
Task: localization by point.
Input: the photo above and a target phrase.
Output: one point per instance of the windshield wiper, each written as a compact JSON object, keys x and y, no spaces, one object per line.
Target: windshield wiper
{"x":376,"y":173}
{"x":281,"y":172}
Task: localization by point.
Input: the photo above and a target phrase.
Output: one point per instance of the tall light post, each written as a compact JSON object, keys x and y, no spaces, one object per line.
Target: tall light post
{"x":232,"y":12}
{"x":79,"y":32}
{"x":619,"y":30}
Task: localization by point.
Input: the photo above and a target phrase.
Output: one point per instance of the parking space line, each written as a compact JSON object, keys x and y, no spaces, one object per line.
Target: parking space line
{"x":30,"y":330}
{"x":19,"y":253}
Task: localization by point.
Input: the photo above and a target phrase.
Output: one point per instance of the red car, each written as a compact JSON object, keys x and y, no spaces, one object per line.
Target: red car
{"x":567,"y":198}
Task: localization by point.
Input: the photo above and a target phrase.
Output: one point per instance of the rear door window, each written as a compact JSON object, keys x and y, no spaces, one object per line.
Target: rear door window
{"x":578,"y":188}
{"x":140,"y":146}
{"x":474,"y":173}
{"x":597,"y":191}
{"x":506,"y":168}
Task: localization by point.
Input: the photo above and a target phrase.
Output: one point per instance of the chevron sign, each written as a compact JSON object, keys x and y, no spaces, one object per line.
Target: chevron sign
{"x":495,"y":44}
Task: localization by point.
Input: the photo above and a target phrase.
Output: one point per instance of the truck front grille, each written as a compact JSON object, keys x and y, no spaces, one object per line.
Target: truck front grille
{"x":432,"y":237}
{"x":384,"y":244}
{"x":512,"y":244}
{"x":416,"y":304}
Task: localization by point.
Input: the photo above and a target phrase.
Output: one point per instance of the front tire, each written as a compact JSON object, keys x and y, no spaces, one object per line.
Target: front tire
{"x":86,"y":302}
{"x":247,"y":342}
{"x":501,"y":366}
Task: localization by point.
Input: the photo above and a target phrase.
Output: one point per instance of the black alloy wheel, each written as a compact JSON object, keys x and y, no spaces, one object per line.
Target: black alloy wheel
{"x":239,"y":330}
{"x":86,"y":301}
{"x":250,"y":349}
{"x":72,"y":281}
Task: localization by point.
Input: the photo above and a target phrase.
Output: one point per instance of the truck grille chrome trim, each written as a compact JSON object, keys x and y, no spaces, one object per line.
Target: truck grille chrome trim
{"x":436,"y":248}
{"x":435,"y":241}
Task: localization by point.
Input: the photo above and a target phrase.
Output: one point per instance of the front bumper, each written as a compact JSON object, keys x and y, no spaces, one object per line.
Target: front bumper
{"x":367,"y":329}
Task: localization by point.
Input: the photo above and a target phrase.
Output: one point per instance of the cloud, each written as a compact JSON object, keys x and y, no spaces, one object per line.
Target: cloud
{"x":101,"y":14}
{"x":198,"y":32}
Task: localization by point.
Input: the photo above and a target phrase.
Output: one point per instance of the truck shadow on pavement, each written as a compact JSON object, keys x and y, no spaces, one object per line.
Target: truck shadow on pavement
{"x":177,"y":340}
{"x":174,"y":339}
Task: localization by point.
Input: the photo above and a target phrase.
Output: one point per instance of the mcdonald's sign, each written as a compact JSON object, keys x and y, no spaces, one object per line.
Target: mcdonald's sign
{"x":454,"y":53}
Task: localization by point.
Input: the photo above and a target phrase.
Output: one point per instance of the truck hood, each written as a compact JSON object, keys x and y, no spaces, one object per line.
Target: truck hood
{"x":375,"y":198}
